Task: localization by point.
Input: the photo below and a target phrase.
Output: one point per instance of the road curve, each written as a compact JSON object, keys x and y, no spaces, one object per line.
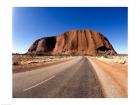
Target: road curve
{"x":73,"y":79}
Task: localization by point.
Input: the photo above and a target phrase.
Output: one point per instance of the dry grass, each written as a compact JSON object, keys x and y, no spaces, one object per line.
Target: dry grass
{"x":28,"y":59}
{"x":23,"y":63}
{"x":114,"y":59}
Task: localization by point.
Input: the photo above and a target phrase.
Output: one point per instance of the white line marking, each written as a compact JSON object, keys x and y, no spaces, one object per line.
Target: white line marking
{"x":38,"y":84}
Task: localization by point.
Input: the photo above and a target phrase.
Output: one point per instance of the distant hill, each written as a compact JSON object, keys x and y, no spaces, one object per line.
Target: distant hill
{"x":74,"y":42}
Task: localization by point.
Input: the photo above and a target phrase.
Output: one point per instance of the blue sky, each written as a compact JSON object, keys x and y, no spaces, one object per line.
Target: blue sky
{"x":31,"y":23}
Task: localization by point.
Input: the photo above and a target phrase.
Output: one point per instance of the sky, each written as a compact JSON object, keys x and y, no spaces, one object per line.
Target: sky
{"x":32,"y":23}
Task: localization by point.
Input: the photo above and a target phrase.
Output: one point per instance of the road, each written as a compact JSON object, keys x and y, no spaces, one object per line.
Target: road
{"x":73,"y":79}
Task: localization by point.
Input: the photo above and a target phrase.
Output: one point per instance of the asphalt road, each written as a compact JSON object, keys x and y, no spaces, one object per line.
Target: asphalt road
{"x":73,"y":79}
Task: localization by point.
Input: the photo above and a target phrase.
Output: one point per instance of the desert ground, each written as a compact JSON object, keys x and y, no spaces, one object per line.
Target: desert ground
{"x":112,"y":72}
{"x":70,"y":76}
{"x":22,"y":63}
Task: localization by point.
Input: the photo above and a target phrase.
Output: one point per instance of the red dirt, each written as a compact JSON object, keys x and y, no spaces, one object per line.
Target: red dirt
{"x":118,"y":73}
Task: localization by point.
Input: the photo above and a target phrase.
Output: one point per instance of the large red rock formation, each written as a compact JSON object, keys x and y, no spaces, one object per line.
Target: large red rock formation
{"x":75,"y":42}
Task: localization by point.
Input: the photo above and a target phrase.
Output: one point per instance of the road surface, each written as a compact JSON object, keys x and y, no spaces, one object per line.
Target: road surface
{"x":73,"y":79}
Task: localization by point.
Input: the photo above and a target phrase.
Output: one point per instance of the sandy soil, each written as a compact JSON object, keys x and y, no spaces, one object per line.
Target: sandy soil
{"x":113,"y":76}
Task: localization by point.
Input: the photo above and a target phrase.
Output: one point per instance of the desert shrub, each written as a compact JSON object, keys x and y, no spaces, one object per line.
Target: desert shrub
{"x":105,"y":56}
{"x":108,"y":56}
{"x":16,"y":63}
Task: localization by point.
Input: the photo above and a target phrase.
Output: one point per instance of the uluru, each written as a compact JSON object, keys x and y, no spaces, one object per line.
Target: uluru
{"x":74,"y":42}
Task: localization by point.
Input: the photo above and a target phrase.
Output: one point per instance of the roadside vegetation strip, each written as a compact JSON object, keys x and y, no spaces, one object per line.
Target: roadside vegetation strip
{"x":24,"y":68}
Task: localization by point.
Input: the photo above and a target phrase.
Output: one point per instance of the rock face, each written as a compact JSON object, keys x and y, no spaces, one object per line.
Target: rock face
{"x":75,"y":42}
